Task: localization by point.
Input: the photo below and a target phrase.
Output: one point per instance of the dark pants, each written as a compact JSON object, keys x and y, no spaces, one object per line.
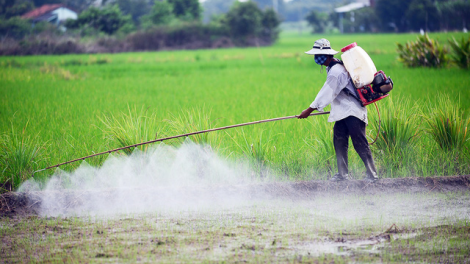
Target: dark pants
{"x":356,"y":129}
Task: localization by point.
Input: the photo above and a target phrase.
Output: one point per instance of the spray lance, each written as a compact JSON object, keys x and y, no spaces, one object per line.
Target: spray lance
{"x":177,"y":136}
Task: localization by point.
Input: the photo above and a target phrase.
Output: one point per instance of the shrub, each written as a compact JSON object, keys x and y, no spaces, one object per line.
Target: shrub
{"x":9,"y":9}
{"x":185,"y":35}
{"x":186,"y":10}
{"x":33,"y":46}
{"x":108,"y":20}
{"x":317,"y":21}
{"x":188,"y":35}
{"x":461,"y":52}
{"x":161,"y":14}
{"x":15,"y":27}
{"x":423,"y":12}
{"x":425,"y":52}
{"x":248,"y":24}
{"x":147,"y":40}
{"x":270,"y":22}
{"x":244,"y":19}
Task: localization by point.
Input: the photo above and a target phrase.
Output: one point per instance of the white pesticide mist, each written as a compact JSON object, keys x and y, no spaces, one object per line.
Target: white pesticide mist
{"x":188,"y":177}
{"x":193,"y":178}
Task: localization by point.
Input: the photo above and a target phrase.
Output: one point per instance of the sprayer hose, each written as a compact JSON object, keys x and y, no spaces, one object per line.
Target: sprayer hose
{"x":380,"y":122}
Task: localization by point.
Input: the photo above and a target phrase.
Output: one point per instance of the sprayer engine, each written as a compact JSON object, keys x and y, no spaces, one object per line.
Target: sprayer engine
{"x":377,"y":90}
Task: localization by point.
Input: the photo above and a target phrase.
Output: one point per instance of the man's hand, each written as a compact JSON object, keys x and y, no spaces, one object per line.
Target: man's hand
{"x":305,"y":113}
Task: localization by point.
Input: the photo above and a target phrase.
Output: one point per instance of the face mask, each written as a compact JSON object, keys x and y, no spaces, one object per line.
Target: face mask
{"x":320,"y":59}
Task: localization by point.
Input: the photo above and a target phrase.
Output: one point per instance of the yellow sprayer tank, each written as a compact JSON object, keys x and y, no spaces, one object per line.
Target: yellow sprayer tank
{"x":360,"y":66}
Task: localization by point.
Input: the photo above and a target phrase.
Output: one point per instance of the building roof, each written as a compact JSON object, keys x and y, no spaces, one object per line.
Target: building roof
{"x":41,"y":11}
{"x":351,"y":7}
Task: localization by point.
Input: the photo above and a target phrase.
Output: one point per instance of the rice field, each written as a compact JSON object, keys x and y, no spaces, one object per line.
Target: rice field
{"x":66,"y":107}
{"x":185,"y":201}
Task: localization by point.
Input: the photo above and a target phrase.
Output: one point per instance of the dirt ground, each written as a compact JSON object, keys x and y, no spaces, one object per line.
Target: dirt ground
{"x":26,"y":204}
{"x":412,"y":220}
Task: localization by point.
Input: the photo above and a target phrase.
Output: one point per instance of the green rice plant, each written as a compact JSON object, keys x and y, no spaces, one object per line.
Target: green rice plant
{"x":447,"y":124}
{"x":235,"y":84}
{"x":321,"y":143}
{"x":398,"y":127}
{"x":194,"y":120}
{"x":399,"y":133}
{"x":460,"y":52}
{"x":425,"y":52}
{"x":256,"y":147}
{"x":19,"y":157}
{"x":132,"y":128}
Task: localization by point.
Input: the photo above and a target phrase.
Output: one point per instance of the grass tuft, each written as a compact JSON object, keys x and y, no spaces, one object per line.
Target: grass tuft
{"x":19,"y":157}
{"x":398,"y":128}
{"x":398,"y":135}
{"x":448,"y":125}
{"x":194,"y":120}
{"x":130,"y":128}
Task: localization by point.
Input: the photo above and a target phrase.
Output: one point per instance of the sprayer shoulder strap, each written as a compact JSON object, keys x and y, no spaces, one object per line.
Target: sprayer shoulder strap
{"x":334,"y":62}
{"x":346,"y":90}
{"x":353,"y":94}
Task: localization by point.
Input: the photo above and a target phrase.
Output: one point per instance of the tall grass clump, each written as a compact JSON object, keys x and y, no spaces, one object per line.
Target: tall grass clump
{"x":194,"y":120}
{"x":425,"y":52}
{"x":133,"y":127}
{"x":460,"y":52}
{"x":448,"y":124}
{"x":398,"y":135}
{"x":19,"y":157}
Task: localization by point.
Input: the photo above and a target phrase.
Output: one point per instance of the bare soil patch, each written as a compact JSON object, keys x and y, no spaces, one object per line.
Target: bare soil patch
{"x":13,"y":204}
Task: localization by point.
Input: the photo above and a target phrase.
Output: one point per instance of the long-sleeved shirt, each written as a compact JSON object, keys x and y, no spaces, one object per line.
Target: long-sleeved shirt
{"x":342,"y":103}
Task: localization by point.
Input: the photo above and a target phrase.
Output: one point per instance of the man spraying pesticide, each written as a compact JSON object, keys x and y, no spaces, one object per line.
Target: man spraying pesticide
{"x":347,"y":105}
{"x":348,"y":89}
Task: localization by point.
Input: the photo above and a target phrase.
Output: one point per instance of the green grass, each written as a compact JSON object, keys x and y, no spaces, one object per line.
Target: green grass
{"x":131,"y":128}
{"x":66,"y":97}
{"x":448,"y":125}
{"x":19,"y":156}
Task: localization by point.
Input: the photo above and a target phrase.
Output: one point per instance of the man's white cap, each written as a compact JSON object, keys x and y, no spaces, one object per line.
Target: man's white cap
{"x":322,"y":46}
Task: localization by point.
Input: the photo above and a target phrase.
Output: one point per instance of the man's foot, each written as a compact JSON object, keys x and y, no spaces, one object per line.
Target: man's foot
{"x":371,"y":179}
{"x":338,"y":177}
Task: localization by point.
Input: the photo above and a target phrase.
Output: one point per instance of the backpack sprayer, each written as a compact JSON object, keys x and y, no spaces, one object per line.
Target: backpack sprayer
{"x":371,"y":85}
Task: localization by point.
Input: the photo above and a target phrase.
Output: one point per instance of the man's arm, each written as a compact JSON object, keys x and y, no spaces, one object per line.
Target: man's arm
{"x":327,"y":94}
{"x":306,"y":113}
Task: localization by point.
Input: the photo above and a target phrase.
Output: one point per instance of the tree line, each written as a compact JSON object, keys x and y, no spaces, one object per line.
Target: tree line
{"x":397,"y":16}
{"x":134,"y":25}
